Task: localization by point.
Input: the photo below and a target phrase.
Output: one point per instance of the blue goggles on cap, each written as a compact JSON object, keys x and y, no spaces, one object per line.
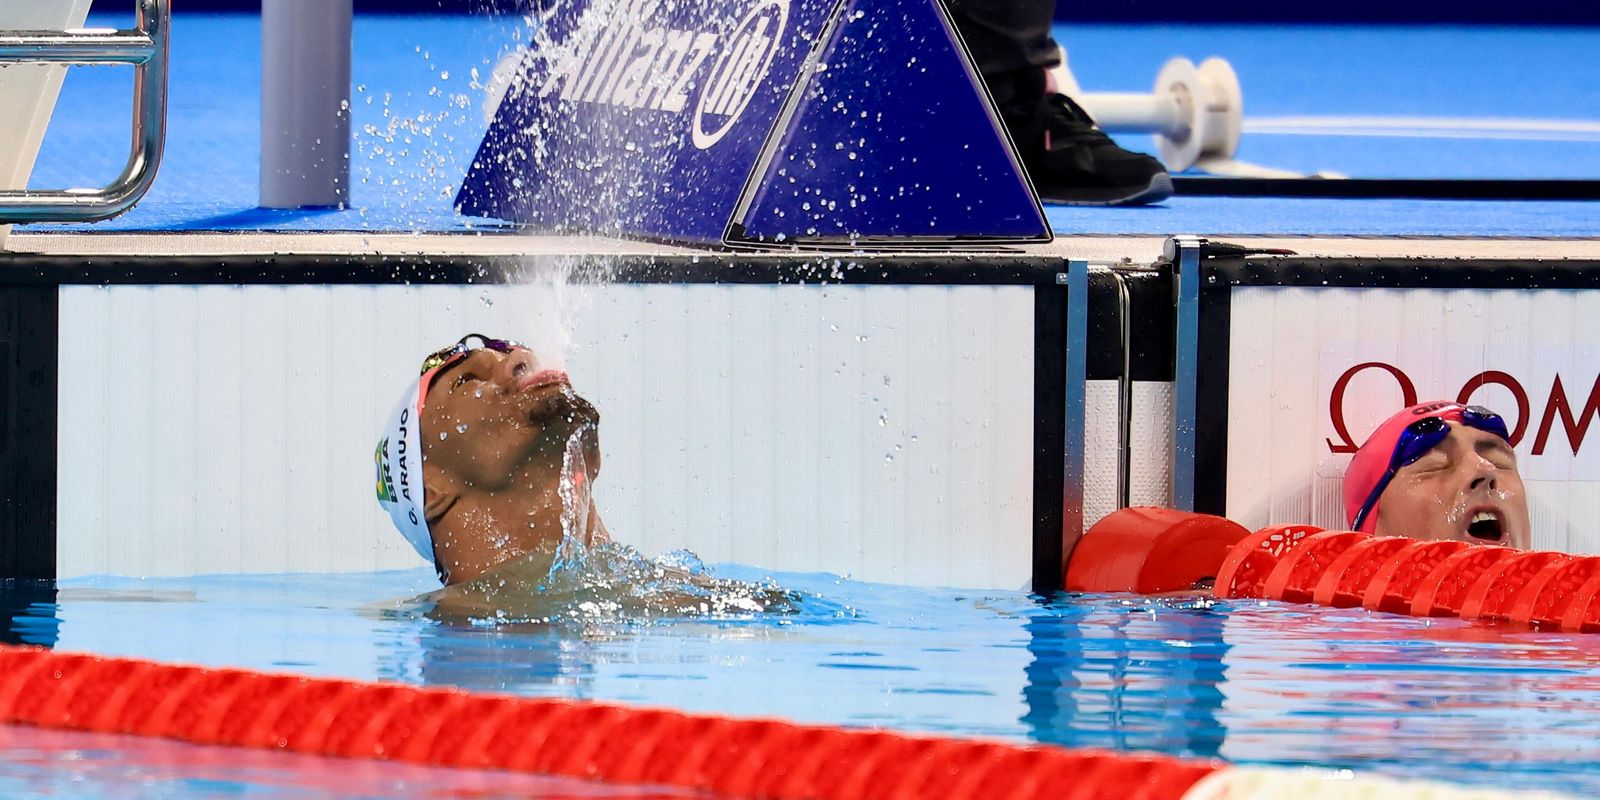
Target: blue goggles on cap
{"x":1422,"y":436}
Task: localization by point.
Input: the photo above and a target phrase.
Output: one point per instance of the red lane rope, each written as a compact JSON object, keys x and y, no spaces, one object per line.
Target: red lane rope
{"x":1305,"y":564}
{"x":453,"y":728}
{"x":1429,"y":579}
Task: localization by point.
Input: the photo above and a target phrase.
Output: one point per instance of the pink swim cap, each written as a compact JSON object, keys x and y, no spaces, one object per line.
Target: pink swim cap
{"x":1372,"y":460}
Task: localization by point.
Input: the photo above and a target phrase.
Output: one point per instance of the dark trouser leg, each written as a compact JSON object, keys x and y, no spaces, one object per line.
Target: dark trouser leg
{"x":1005,"y":35}
{"x":1010,"y":43}
{"x":1067,"y":158}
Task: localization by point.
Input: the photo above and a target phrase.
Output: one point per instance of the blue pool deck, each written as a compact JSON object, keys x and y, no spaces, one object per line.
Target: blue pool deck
{"x":1374,"y":101}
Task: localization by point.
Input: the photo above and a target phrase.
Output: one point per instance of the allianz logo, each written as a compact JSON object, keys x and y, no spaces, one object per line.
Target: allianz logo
{"x":635,"y":66}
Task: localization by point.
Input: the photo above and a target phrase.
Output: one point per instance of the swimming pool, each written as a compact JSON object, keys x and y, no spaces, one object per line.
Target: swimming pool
{"x":859,"y":382}
{"x":1249,"y":682}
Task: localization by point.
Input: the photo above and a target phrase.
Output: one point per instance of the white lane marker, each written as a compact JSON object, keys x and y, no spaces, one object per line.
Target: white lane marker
{"x":1491,"y":128}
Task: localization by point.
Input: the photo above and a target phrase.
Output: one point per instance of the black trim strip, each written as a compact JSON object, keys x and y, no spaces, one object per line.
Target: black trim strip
{"x":1150,"y":296}
{"x":975,"y":269}
{"x":1399,"y":188}
{"x":1049,"y":436}
{"x":29,"y":345}
{"x":1154,"y":343}
{"x":1104,"y":359}
{"x":1406,"y":273}
{"x":1211,"y":397}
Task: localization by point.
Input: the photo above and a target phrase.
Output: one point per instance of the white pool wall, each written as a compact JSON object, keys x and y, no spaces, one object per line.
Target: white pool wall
{"x":1291,"y":346}
{"x":880,"y":432}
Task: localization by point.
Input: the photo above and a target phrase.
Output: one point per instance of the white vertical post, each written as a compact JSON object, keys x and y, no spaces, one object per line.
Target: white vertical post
{"x":305,"y":103}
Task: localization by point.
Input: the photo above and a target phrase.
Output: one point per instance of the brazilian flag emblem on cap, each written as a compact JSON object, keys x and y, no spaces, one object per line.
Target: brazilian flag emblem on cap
{"x":385,"y":485}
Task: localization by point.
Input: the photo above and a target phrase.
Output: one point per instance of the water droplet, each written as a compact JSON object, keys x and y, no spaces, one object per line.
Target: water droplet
{"x":462,"y":428}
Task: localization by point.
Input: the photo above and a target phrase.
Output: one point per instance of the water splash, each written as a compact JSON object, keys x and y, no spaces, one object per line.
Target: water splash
{"x":576,"y":504}
{"x":586,"y":579}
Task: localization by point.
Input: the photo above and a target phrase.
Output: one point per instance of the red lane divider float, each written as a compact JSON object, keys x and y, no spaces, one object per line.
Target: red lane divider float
{"x":1160,"y":550}
{"x":1245,"y":570}
{"x":1149,"y":550}
{"x":452,"y":728}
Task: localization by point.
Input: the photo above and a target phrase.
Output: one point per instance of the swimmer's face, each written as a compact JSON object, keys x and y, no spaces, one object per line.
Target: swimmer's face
{"x":490,"y":416}
{"x":1467,"y":488}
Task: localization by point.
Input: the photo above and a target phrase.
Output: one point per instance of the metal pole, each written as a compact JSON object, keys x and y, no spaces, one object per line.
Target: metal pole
{"x":1183,"y":252}
{"x":77,"y":47}
{"x":1077,"y":369}
{"x":1125,"y":395}
{"x":305,"y":103}
{"x":145,"y":47}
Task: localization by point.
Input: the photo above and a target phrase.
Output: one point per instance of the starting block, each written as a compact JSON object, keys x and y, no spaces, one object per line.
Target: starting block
{"x":752,"y":123}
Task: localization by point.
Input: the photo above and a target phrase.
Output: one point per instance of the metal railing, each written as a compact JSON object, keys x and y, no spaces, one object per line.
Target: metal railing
{"x":146,"y":49}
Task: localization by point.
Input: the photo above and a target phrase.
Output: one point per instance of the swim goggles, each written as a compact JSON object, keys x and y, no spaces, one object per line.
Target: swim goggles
{"x":1422,"y":436}
{"x":440,"y":358}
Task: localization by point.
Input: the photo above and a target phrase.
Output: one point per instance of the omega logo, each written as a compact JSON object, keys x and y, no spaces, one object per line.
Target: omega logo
{"x":1557,"y":404}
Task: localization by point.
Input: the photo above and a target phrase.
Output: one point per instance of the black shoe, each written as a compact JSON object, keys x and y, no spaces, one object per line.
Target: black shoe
{"x":1070,"y":160}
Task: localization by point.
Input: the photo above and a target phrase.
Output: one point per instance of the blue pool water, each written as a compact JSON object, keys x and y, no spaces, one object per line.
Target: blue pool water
{"x":1244,"y":681}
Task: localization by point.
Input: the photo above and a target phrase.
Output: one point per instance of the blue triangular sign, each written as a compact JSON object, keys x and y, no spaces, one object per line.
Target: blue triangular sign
{"x":752,"y":122}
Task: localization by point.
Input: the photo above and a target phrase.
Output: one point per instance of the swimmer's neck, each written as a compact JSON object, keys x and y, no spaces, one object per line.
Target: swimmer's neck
{"x":478,"y":537}
{"x":478,"y":529}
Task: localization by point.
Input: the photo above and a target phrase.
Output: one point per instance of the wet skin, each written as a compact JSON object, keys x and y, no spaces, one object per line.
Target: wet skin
{"x":495,"y":427}
{"x":1467,"y":488}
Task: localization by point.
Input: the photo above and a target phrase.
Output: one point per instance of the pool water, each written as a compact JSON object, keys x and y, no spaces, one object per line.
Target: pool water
{"x":1250,"y":682}
{"x":35,"y":763}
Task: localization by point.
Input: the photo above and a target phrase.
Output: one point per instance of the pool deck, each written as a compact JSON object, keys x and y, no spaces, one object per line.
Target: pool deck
{"x":1317,"y":98}
{"x":1096,"y":249}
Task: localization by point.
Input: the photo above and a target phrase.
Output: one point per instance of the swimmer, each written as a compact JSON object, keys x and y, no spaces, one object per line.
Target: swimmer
{"x":1439,"y":470}
{"x":487,"y":430}
{"x":485,"y":468}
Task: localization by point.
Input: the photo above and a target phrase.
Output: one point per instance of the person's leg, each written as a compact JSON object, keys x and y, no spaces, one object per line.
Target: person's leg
{"x":1004,"y":35}
{"x":1069,"y":159}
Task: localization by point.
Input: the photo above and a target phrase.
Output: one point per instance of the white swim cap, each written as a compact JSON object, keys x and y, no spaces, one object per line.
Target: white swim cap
{"x":399,"y":453}
{"x":399,"y":458}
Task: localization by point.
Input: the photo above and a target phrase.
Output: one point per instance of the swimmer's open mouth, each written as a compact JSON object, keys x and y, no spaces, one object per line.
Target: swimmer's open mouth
{"x":1487,"y":525}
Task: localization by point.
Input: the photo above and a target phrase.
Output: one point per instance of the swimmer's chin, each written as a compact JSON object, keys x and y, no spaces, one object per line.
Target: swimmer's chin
{"x":558,"y":406}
